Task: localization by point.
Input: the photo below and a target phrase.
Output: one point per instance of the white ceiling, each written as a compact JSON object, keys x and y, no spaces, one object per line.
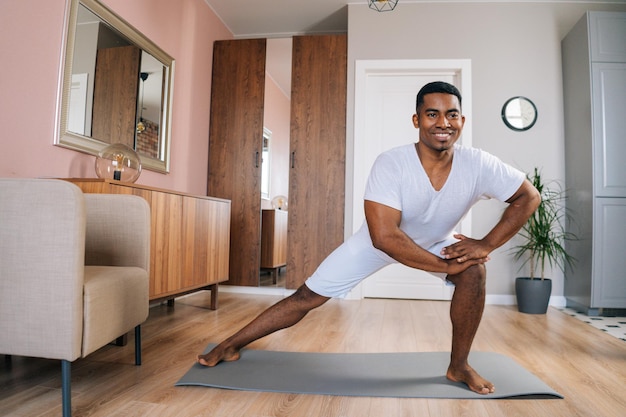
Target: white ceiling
{"x":282,"y":18}
{"x":286,"y":18}
{"x":279,"y":20}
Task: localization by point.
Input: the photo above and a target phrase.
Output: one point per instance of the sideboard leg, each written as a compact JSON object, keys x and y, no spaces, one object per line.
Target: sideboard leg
{"x":214,"y":292}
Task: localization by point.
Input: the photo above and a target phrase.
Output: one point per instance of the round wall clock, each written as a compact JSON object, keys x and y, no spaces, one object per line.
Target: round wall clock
{"x":519,"y":113}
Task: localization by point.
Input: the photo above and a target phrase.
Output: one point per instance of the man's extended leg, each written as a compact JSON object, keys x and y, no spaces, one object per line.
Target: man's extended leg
{"x":466,"y":311}
{"x":281,"y":315}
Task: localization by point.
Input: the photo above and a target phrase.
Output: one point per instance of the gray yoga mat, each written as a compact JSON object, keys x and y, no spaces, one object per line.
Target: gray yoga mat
{"x":408,"y":375}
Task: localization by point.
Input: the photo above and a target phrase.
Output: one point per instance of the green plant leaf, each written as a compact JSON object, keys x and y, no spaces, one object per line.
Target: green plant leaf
{"x":544,"y":234}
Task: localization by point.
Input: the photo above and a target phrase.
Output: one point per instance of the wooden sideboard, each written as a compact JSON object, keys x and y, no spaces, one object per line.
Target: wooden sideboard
{"x":273,"y":240}
{"x":190,"y":238}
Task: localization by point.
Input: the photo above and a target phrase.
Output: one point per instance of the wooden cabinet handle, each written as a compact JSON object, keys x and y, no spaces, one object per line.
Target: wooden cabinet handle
{"x":293,"y":159}
{"x":256,"y":160}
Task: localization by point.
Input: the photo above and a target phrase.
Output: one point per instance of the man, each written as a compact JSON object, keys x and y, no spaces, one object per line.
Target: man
{"x":415,"y":196}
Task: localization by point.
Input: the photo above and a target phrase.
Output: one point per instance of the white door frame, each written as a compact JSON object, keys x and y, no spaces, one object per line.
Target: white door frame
{"x":459,"y":69}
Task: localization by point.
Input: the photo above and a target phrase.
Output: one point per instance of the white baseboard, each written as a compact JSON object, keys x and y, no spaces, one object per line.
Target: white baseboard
{"x":509,"y":300}
{"x":558,"y":301}
{"x":257,"y":290}
{"x":501,"y":299}
{"x":496,"y":299}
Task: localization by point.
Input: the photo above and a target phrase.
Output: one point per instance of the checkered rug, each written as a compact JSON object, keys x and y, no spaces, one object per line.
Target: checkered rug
{"x":615,"y":326}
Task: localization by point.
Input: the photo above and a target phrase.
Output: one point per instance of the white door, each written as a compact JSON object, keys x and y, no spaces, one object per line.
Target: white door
{"x":385,"y":93}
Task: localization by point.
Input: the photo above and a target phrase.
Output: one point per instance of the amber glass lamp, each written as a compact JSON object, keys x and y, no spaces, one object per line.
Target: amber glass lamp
{"x":118,"y":162}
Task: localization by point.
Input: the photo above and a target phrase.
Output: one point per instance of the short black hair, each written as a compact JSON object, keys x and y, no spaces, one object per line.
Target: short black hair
{"x":436,"y":87}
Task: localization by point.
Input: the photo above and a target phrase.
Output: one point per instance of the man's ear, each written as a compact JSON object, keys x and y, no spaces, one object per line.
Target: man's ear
{"x":416,"y":122}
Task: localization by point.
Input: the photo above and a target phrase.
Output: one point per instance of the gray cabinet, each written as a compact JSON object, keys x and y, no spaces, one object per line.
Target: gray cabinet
{"x":594,"y":90}
{"x":609,"y":127}
{"x":609,"y":266}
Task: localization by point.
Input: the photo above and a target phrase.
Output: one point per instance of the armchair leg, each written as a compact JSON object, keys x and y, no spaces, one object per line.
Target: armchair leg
{"x":122,"y":340}
{"x":138,"y":345}
{"x":66,"y":390}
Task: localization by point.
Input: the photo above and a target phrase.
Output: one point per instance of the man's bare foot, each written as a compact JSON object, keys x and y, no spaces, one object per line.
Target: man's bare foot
{"x":471,"y":378}
{"x":218,"y":354}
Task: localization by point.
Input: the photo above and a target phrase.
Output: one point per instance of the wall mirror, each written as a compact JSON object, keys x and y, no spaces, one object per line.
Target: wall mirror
{"x":117,"y":87}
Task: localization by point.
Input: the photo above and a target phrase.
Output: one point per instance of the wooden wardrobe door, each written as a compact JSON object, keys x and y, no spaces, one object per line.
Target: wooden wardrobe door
{"x":318,"y":151}
{"x":116,"y":84}
{"x":235,"y":145}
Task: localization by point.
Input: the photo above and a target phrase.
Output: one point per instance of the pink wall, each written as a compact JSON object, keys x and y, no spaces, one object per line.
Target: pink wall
{"x":276,"y":117}
{"x":31,"y":39}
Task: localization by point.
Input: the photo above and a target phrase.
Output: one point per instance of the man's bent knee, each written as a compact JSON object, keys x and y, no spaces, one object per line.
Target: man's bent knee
{"x":307,"y":296}
{"x":475,"y":274}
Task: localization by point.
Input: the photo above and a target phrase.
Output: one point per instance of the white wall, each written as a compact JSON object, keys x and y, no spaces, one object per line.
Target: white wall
{"x":515,"y":50}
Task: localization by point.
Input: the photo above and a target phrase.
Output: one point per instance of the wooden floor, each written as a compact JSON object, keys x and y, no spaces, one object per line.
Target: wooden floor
{"x":585,"y":365}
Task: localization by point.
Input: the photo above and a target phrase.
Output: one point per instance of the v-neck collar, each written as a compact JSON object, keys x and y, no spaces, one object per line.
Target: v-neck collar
{"x":423,"y":171}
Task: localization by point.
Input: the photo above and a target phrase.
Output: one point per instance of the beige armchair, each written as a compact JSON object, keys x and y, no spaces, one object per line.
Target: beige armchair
{"x":73,"y":271}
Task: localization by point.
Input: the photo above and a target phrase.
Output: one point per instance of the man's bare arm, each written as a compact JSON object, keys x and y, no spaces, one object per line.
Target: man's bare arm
{"x":521,"y":206}
{"x":384,"y":226}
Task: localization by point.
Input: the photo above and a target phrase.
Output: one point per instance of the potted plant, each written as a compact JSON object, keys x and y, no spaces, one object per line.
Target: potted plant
{"x":543,"y":243}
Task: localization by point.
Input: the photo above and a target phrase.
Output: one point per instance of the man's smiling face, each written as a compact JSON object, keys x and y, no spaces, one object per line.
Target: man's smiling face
{"x":439,"y":120}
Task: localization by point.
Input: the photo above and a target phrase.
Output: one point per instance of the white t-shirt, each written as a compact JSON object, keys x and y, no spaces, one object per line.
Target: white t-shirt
{"x":429,"y":217}
{"x":398,"y":180}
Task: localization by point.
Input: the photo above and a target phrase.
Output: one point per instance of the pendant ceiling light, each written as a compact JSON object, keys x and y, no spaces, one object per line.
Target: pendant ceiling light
{"x":140,"y":125}
{"x":382,"y":5}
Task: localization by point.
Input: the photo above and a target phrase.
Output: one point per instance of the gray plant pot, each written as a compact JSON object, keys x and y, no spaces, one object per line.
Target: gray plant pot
{"x":533,"y":295}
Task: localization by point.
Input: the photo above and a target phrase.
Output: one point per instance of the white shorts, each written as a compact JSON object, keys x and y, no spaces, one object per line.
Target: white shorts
{"x":355,"y":260}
